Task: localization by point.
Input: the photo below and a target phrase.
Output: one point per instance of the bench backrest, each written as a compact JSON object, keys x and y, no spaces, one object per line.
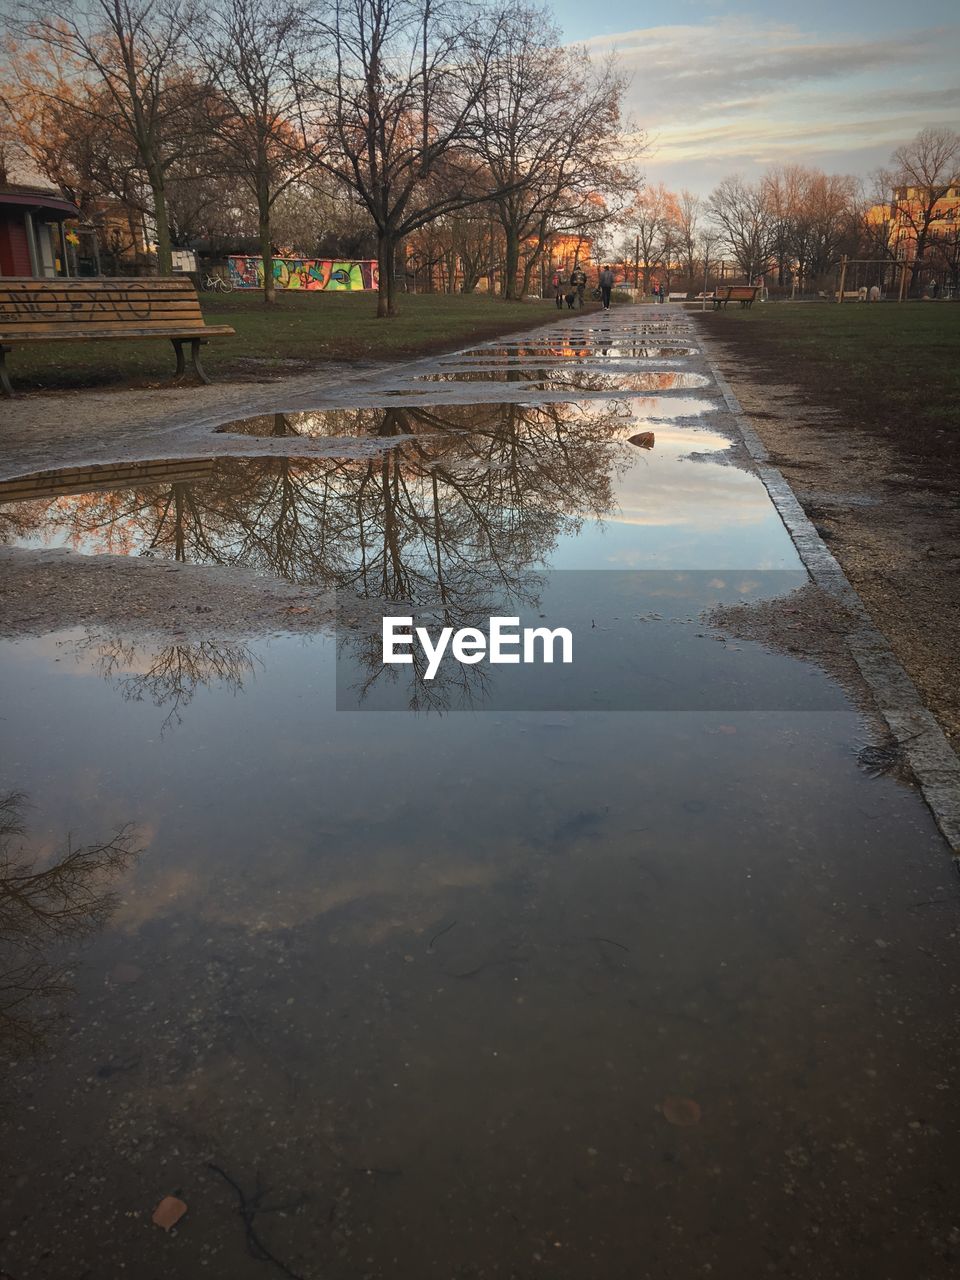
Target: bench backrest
{"x":51,"y":306}
{"x":735,"y":291}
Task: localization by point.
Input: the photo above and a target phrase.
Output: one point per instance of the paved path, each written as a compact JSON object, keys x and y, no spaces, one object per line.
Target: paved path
{"x":642,"y":967}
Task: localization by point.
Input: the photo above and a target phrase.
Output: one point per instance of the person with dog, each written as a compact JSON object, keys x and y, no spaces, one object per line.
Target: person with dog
{"x":557,"y":283}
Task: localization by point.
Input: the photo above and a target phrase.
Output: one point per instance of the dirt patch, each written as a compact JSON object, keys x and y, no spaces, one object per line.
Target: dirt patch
{"x":159,"y":598}
{"x":889,"y":517}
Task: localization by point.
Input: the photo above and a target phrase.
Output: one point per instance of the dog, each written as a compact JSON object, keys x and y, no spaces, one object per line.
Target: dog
{"x":570,"y":299}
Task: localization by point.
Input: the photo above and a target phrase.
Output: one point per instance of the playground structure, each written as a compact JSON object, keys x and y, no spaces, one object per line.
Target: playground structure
{"x":865,"y":273}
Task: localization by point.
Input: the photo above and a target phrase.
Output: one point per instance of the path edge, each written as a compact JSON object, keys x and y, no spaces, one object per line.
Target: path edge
{"x":932,"y":760}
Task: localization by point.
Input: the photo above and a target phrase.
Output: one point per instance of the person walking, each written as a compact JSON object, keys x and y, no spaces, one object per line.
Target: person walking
{"x":579,"y":281}
{"x":557,"y":283}
{"x":606,"y":285}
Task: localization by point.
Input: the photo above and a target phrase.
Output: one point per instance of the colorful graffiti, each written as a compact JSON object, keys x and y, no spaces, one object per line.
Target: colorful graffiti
{"x":304,"y":273}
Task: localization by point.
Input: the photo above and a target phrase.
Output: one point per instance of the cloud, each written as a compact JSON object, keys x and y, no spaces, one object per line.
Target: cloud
{"x":733,"y":93}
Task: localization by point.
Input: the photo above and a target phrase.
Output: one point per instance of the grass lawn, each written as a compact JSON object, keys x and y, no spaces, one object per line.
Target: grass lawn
{"x":303,"y":330}
{"x":890,"y":367}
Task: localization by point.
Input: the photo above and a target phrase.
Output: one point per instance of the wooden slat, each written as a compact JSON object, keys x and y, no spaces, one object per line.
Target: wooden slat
{"x":85,"y":309}
{"x":19,"y":283}
{"x":95,"y":479}
{"x":117,"y":333}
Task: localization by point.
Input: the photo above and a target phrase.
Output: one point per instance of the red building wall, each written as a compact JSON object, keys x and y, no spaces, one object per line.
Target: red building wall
{"x":14,"y":252}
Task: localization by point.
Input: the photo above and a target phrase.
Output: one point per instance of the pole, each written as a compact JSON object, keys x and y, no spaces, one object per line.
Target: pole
{"x":843,"y":275}
{"x":636,"y":264}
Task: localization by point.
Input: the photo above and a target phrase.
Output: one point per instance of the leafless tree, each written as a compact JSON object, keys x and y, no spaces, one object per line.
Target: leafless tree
{"x":120,"y":64}
{"x":547,"y":127}
{"x":650,"y":222}
{"x":741,"y":213}
{"x":388,"y":117}
{"x":252,"y":53}
{"x":687,"y":213}
{"x":923,"y":172}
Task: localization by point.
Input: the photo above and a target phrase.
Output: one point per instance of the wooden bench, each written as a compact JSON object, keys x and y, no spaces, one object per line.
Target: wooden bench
{"x":742,"y":293}
{"x":89,"y":309}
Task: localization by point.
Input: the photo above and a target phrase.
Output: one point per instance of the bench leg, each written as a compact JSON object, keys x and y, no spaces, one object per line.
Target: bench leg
{"x":195,"y":345}
{"x":5,"y":384}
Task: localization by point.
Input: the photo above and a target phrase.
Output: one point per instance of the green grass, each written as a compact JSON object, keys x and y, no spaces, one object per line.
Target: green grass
{"x":890,"y":367}
{"x":304,"y":328}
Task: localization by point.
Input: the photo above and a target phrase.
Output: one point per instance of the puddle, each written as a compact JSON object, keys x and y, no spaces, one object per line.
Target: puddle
{"x":463,"y":994}
{"x":571,"y":467}
{"x":576,"y":379}
{"x":521,"y":351}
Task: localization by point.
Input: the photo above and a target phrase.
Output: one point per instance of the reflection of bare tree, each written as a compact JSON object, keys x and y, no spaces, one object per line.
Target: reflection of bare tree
{"x":169,"y":675}
{"x":458,"y":511}
{"x":39,"y":908}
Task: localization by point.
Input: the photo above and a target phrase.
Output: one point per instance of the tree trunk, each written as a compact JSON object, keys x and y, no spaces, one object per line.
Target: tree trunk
{"x":266,"y":253}
{"x":164,"y":251}
{"x":386,"y":263}
{"x":512,"y":264}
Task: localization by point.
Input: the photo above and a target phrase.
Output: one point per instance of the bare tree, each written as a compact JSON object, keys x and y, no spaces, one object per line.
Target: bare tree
{"x":687,"y":212}
{"x":388,"y":118}
{"x":547,"y":128}
{"x":116,"y":62}
{"x":741,"y":214}
{"x":650,"y":221}
{"x":924,"y":170}
{"x":251,"y":52}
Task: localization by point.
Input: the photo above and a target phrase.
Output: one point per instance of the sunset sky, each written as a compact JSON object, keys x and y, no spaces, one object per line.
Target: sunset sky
{"x":735,"y":86}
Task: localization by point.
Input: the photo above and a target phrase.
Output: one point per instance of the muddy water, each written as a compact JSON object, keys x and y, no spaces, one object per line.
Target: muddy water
{"x":436,"y":987}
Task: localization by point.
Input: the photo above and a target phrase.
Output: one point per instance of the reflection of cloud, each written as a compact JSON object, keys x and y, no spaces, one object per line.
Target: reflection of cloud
{"x":734,"y":92}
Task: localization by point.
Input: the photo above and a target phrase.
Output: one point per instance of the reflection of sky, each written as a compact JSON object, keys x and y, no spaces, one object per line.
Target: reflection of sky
{"x":680,"y":514}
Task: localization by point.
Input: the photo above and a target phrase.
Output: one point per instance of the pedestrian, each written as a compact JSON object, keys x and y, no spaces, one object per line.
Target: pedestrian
{"x":579,"y":281}
{"x":557,"y":283}
{"x":661,"y":291}
{"x":606,"y":285}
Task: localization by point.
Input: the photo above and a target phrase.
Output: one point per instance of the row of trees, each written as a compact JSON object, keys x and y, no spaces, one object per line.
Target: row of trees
{"x":796,"y":221}
{"x":380,"y":116}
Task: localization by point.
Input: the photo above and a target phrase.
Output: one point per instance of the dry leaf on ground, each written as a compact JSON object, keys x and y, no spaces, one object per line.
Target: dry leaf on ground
{"x":169,"y":1212}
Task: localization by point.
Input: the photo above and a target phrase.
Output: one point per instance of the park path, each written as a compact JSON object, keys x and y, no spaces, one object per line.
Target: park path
{"x":638,"y":967}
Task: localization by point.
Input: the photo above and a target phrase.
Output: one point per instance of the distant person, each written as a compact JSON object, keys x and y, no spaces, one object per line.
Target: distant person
{"x":862,"y":293}
{"x":579,"y":281}
{"x":874,"y":294}
{"x":662,"y":292}
{"x":557,"y":283}
{"x":606,"y":287}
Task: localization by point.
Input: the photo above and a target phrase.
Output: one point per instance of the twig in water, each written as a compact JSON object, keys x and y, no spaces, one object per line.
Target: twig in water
{"x":248,"y":1209}
{"x":437,"y":936}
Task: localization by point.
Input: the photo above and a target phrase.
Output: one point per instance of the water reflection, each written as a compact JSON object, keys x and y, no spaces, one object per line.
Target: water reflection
{"x":41,"y":908}
{"x":168,"y":675}
{"x":441,"y":515}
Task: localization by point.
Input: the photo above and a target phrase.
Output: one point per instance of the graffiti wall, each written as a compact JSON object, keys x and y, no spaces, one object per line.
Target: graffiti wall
{"x":304,"y":273}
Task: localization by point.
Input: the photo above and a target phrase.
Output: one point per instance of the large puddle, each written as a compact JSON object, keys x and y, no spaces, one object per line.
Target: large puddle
{"x":627,"y":971}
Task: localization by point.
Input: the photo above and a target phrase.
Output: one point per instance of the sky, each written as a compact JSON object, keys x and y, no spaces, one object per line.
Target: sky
{"x":732,"y":86}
